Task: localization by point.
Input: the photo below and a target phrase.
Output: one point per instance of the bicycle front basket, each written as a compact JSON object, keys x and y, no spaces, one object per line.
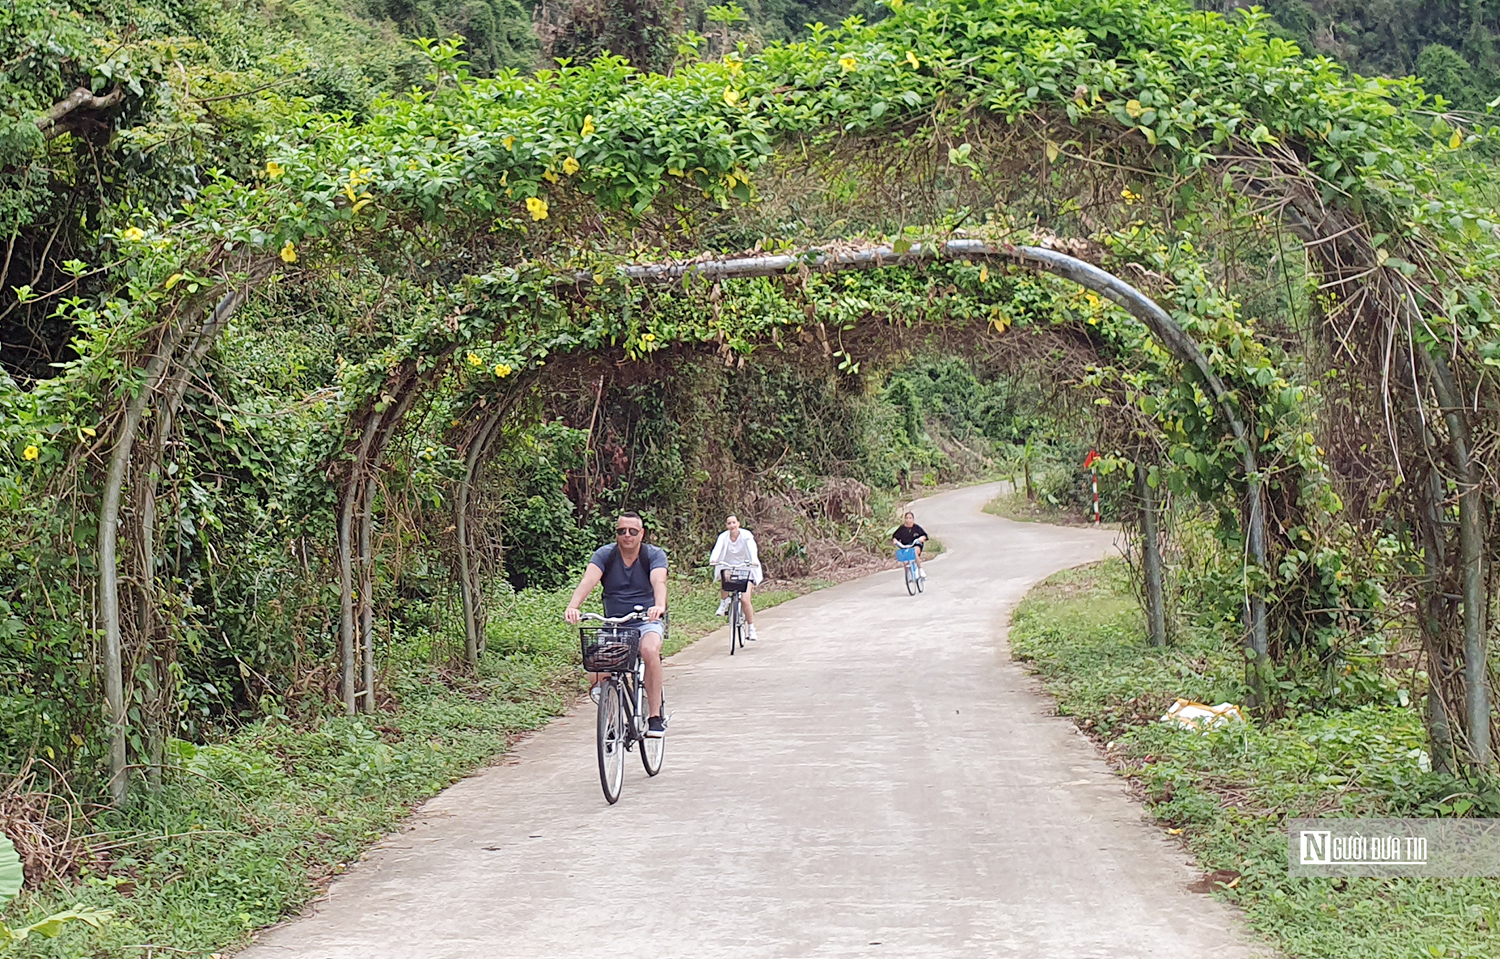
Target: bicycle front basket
{"x":610,"y":649}
{"x":736,"y":580}
{"x":905,"y":554}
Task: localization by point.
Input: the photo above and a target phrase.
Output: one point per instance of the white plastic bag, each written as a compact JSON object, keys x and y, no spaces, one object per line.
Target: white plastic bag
{"x":1200,"y":716}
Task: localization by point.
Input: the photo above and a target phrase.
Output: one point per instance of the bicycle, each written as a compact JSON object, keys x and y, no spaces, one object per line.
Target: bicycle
{"x":735,"y":580}
{"x":614,"y":647}
{"x":907,"y":557}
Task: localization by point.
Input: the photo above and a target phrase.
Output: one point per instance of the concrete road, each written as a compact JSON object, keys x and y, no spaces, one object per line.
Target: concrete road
{"x":875,"y":777}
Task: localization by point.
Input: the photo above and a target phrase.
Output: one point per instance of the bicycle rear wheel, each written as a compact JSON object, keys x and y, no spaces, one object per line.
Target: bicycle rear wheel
{"x":921,"y":580}
{"x":611,"y":740}
{"x":911,"y":579}
{"x":654,"y":750}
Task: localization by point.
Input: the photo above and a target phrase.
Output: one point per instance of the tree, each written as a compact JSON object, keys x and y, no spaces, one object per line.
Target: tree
{"x":1445,"y":72}
{"x":641,"y":31}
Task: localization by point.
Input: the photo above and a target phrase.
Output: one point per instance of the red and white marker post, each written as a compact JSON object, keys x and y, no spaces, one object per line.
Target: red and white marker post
{"x":1088,"y":462}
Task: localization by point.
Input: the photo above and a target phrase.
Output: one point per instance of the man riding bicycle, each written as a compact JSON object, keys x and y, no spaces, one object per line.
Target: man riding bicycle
{"x":909,"y":534}
{"x":634,"y":573}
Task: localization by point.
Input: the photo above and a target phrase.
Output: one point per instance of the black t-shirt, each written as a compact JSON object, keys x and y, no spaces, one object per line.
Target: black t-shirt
{"x":626,"y":587}
{"x":906,"y":535}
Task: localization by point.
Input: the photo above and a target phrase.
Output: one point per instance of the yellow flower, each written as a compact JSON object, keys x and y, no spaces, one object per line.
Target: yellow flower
{"x":510,"y":142}
{"x":549,"y":176}
{"x":274,"y":169}
{"x":570,"y":166}
{"x":588,"y":126}
{"x":474,"y":359}
{"x":502,"y":370}
{"x":537,"y":207}
{"x":135,"y":234}
{"x":848,"y":63}
{"x":649,"y":337}
{"x":731,"y":96}
{"x":1128,"y":196}
{"x":984,"y":273}
{"x":911,"y":58}
{"x":288,"y":252}
{"x":31,"y":452}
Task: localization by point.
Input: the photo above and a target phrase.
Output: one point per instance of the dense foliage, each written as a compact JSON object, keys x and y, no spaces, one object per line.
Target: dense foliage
{"x":1450,"y":44}
{"x":322,"y":341}
{"x":446,"y":250}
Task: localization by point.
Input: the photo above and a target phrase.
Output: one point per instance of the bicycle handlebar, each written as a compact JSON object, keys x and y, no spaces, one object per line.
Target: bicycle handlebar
{"x":638,"y":616}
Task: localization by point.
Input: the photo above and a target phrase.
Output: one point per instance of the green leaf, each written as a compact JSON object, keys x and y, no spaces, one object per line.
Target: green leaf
{"x":12,"y":876}
{"x":52,"y":926}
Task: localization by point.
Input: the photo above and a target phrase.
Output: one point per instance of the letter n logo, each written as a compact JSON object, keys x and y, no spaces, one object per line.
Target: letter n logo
{"x":1317,"y":847}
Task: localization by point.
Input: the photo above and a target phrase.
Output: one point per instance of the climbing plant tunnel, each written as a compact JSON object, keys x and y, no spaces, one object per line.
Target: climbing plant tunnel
{"x":1283,"y":311}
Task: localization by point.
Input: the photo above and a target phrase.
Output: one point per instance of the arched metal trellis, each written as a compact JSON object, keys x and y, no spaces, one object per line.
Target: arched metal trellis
{"x":1039,"y":259}
{"x":184,"y":344}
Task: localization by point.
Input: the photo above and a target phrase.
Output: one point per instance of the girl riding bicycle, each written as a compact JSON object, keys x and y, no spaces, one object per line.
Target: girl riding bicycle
{"x":736,"y":548}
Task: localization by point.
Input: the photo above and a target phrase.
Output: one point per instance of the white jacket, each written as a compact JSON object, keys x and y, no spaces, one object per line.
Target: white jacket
{"x":728,"y":552}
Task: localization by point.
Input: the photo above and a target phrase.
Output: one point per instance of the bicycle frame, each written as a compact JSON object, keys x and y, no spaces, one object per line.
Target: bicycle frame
{"x":907,"y":557}
{"x":632,"y":685}
{"x":623,"y":689}
{"x":736,"y":610}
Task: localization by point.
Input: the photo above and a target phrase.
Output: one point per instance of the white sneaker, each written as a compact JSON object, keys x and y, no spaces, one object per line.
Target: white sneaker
{"x":723,"y":607}
{"x":750,"y":634}
{"x":921,"y":572}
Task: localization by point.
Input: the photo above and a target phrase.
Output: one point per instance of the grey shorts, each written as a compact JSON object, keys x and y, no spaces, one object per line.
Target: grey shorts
{"x":659,"y":627}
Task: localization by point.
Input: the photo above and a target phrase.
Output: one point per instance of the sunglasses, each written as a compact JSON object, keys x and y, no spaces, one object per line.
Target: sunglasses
{"x":624,"y":531}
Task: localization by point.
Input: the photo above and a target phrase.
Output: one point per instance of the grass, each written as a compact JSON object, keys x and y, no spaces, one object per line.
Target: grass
{"x":247,"y":830}
{"x":1014,"y":505}
{"x":1230,"y":791}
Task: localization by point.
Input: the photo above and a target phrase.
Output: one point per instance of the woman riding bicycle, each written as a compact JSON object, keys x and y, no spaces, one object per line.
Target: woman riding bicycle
{"x":908,"y":535}
{"x":736,"y":551}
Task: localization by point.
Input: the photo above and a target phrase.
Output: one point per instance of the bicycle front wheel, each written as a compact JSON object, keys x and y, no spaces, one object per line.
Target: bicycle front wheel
{"x":734,"y":624}
{"x":911,"y":580}
{"x":611,"y":741}
{"x":653,"y":751}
